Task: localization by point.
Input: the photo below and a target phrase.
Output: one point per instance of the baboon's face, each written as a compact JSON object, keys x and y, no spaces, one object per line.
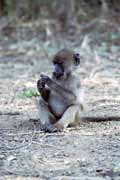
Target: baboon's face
{"x":65,"y":62}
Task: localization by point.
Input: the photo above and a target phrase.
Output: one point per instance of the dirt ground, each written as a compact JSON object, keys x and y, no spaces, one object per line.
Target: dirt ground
{"x":89,"y":152}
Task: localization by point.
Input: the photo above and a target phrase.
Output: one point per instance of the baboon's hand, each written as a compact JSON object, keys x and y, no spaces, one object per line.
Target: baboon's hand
{"x":45,"y":79}
{"x":40,"y":84}
{"x":49,"y":128}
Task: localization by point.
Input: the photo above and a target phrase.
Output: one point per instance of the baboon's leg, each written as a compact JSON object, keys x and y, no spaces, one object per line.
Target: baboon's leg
{"x":46,"y":117}
{"x":69,"y":117}
{"x":43,"y":112}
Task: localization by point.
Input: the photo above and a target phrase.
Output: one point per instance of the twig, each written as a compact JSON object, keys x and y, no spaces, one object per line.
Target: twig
{"x":45,"y":145}
{"x":26,"y":133}
{"x":101,"y":119}
{"x":10,"y":113}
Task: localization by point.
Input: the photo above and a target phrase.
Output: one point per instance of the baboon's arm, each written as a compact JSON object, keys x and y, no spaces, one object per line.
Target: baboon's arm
{"x":67,"y":94}
{"x":44,"y":91}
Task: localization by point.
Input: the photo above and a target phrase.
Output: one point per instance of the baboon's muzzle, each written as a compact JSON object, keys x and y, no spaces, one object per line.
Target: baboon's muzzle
{"x":59,"y":71}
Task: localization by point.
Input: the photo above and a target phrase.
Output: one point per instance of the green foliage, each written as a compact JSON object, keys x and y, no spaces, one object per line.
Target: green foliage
{"x":30,"y":93}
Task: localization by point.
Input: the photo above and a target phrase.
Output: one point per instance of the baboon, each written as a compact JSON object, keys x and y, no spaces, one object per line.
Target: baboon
{"x":61,"y":101}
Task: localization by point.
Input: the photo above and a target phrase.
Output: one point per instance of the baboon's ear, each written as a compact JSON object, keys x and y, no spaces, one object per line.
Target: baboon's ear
{"x":77,"y":58}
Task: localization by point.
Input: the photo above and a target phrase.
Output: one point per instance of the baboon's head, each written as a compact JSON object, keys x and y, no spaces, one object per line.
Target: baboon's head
{"x":65,"y":62}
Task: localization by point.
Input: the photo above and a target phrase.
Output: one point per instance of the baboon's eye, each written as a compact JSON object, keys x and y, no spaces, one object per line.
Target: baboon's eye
{"x":77,"y":58}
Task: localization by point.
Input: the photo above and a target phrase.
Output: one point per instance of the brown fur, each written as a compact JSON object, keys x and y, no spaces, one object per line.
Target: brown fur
{"x":60,"y":104}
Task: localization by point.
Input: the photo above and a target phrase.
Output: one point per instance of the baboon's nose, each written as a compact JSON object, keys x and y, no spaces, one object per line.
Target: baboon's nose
{"x":57,"y":75}
{"x":58,"y":71}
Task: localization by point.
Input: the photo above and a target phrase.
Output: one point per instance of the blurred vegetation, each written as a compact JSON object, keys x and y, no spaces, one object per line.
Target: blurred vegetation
{"x":54,"y":22}
{"x":35,"y":8}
